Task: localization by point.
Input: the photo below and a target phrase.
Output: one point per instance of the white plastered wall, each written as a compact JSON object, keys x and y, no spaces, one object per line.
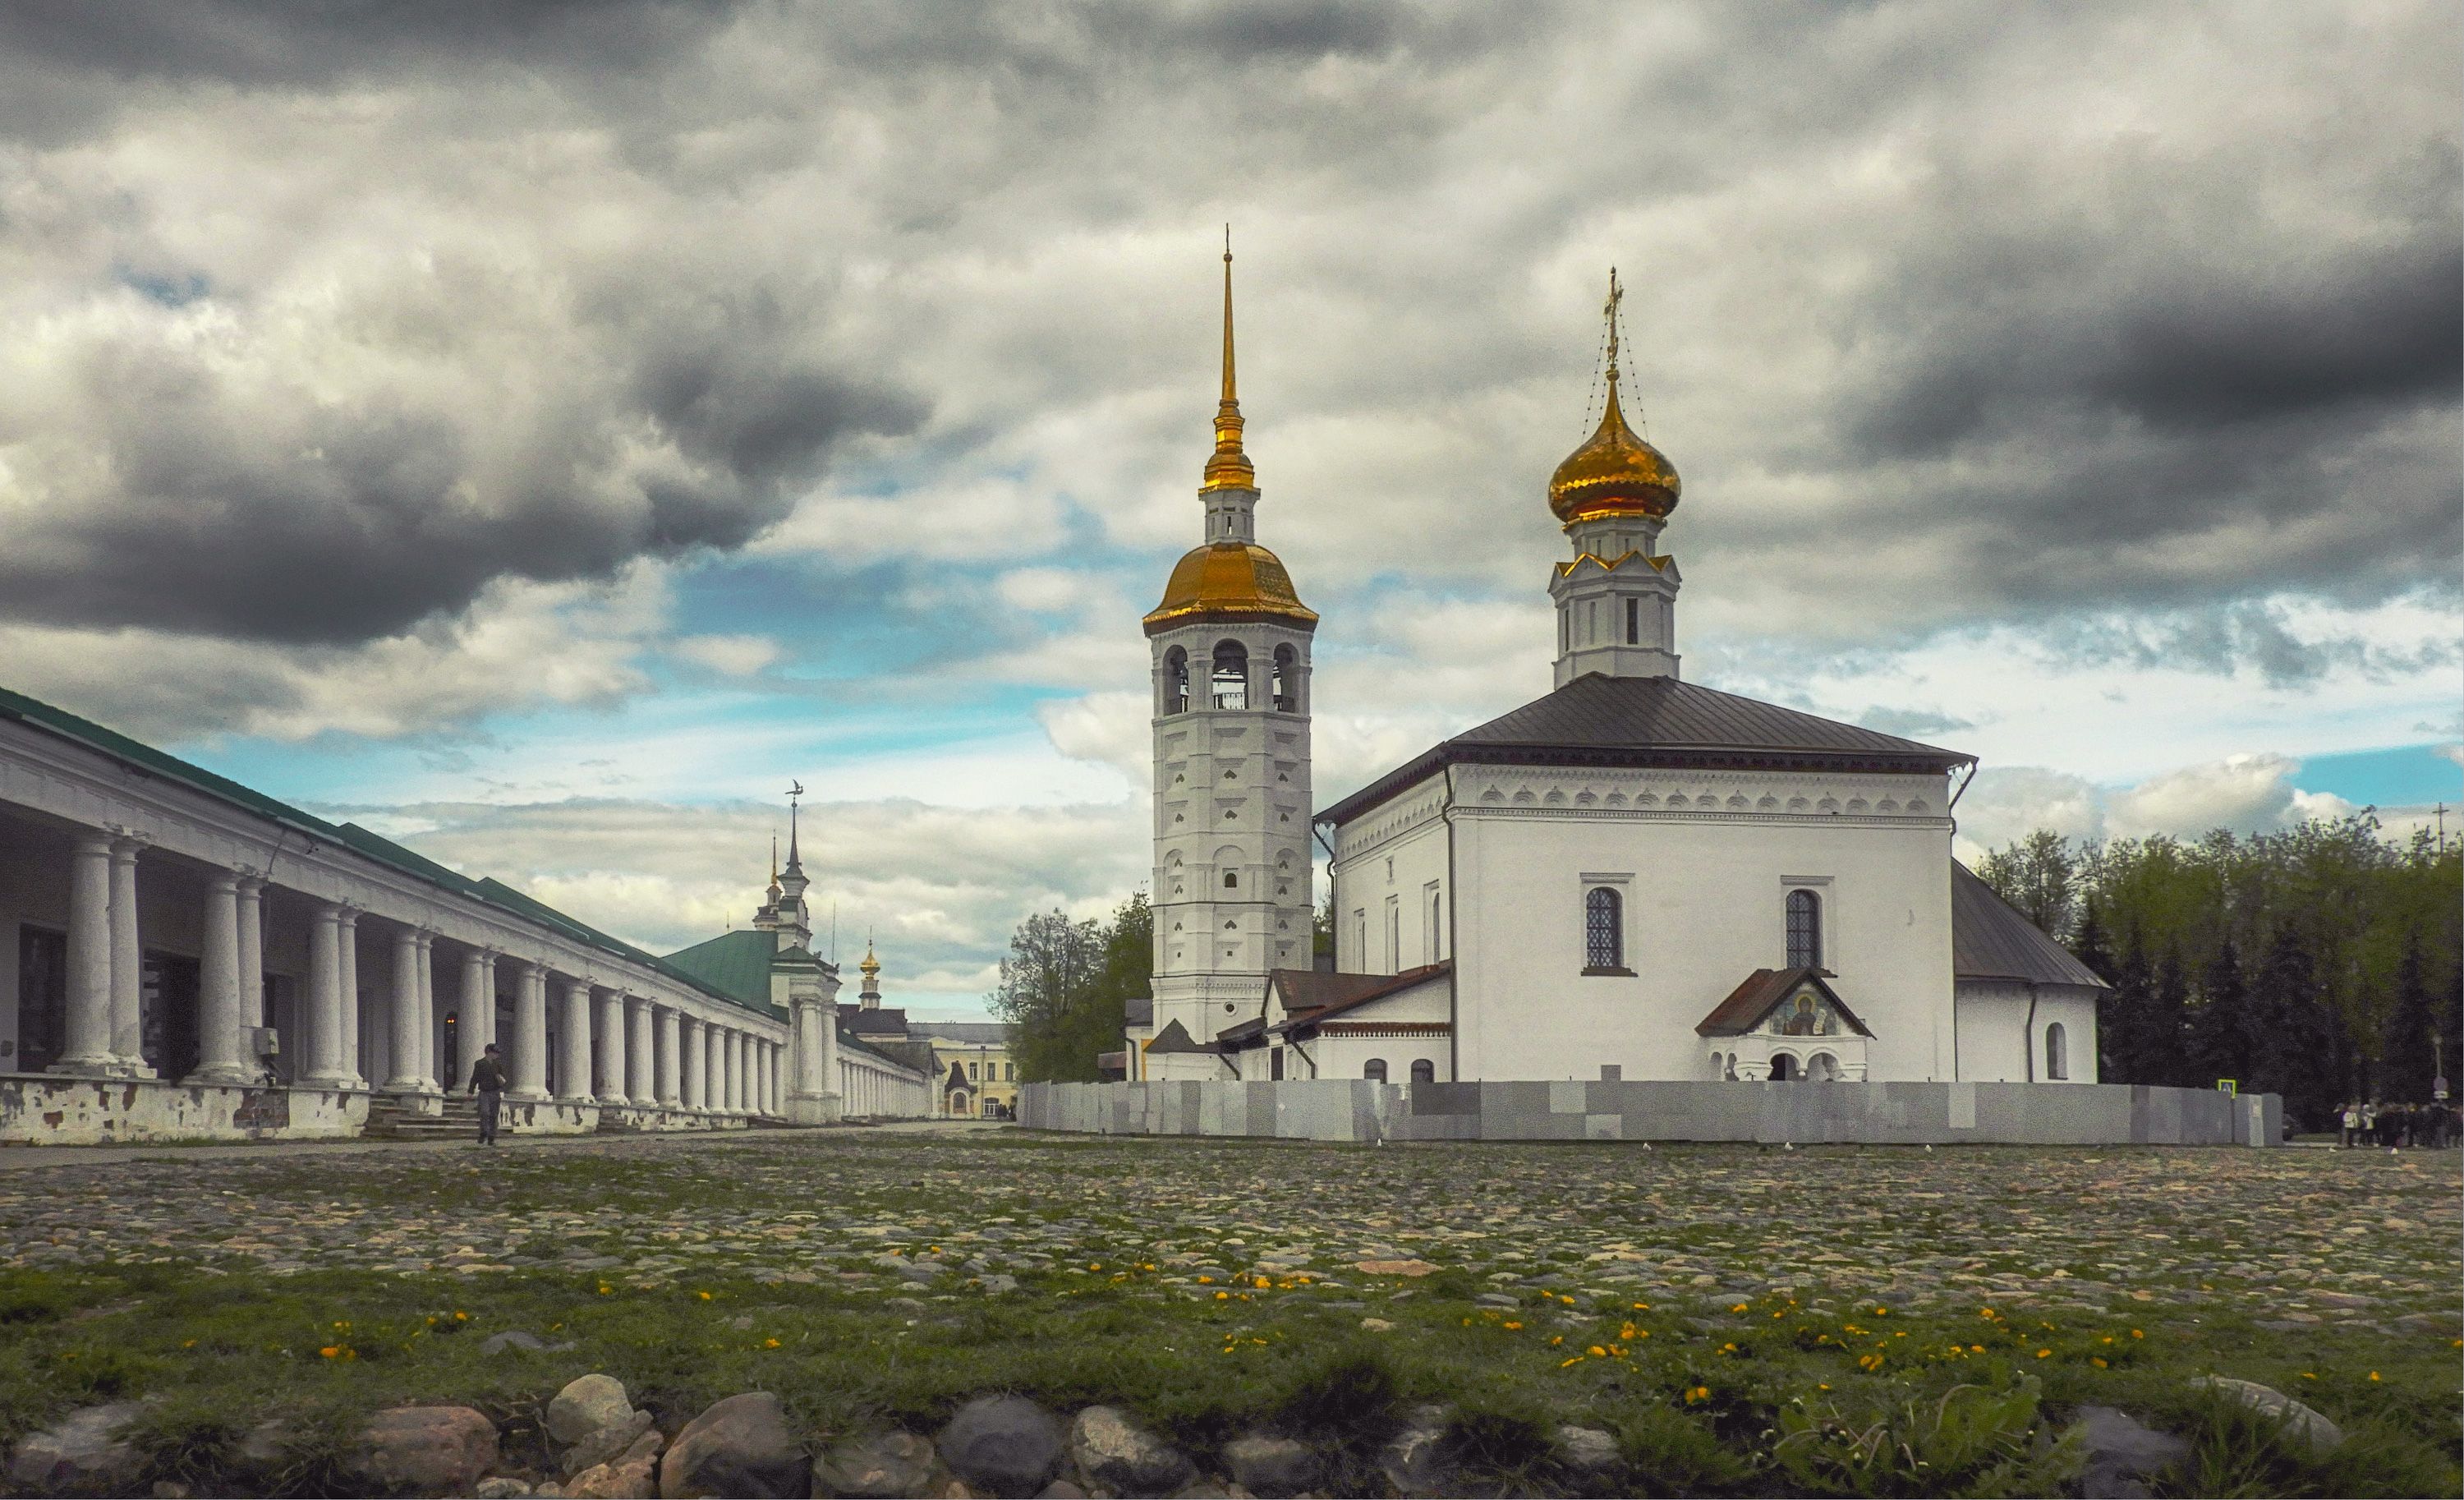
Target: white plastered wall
{"x":1995,"y":1031}
{"x":1705,"y":887}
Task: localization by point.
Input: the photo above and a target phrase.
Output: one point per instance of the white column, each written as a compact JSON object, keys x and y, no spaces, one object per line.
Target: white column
{"x":717,"y":1069}
{"x":250,"y":904}
{"x":730,"y":1076}
{"x":757,"y":1088}
{"x":428,"y":1068}
{"x":696,"y":1075}
{"x":530,"y":1031}
{"x":770,"y":1070}
{"x":671,"y":1072}
{"x":573,"y":1069}
{"x":87,"y":1047}
{"x":127,"y":967}
{"x":405,"y":1014}
{"x":322,"y":1013}
{"x":611,"y":1048}
{"x":640,"y":1052}
{"x":221,"y":1047}
{"x":349,"y":933}
{"x":478,"y":1006}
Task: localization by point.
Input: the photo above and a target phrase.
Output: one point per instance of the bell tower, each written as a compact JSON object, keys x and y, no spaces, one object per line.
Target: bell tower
{"x":1230,"y":650}
{"x":1617,"y":601}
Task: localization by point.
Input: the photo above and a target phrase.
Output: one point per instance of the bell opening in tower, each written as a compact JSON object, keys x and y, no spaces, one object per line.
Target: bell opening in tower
{"x":1231,"y":677}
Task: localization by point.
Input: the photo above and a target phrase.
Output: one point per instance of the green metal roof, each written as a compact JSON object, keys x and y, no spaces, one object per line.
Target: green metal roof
{"x":736,"y":964}
{"x":373,"y":846}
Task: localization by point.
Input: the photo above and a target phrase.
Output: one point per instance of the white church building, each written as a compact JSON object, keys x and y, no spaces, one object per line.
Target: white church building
{"x":1631,"y":877}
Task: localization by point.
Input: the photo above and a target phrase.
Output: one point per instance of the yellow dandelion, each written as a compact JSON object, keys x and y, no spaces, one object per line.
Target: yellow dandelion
{"x":461,"y":1317}
{"x":1569,"y":1301}
{"x":1263,"y":1284}
{"x":2044,"y":1354}
{"x":2098,"y":1361}
{"x":1697,"y":1393}
{"x":1206,"y":1281}
{"x":2374,"y":1375}
{"x":704,"y":1295}
{"x":2307,"y":1375}
{"x":1514,"y":1325}
{"x":769,"y":1343}
{"x":1222,"y":1296}
{"x":330,"y":1351}
{"x":605,"y":1288}
{"x":2136,"y":1333}
{"x":1567,"y":1364}
{"x":1597,"y":1352}
{"x":1739,"y":1308}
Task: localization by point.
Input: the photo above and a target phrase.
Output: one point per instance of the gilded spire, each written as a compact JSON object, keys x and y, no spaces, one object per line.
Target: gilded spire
{"x":1229,"y":467}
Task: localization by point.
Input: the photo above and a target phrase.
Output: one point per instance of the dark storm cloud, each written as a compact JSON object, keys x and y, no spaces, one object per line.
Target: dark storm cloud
{"x":285,"y":517}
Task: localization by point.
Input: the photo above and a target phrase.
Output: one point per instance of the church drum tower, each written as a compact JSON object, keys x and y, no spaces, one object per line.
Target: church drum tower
{"x":1230,"y":646}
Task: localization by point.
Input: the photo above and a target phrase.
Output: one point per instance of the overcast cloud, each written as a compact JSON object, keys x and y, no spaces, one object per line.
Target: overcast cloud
{"x":397,"y":371}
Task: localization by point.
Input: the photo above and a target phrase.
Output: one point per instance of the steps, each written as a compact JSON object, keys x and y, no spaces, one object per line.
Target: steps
{"x":391,"y":1119}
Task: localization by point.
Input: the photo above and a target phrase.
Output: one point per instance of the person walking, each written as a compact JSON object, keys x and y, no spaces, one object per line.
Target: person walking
{"x":488,"y":1082}
{"x":2351,"y":1121}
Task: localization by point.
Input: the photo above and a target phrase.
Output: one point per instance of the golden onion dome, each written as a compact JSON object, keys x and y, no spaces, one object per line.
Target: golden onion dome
{"x":1613,"y":473}
{"x":1229,"y":580}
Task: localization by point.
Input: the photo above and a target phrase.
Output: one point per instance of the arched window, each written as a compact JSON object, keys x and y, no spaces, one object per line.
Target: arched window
{"x":1231,"y":676}
{"x":1804,"y":930}
{"x":1374,"y":1070}
{"x":1604,"y":931}
{"x":2057,"y":1051}
{"x":1176,"y":681}
{"x":1231,"y":881}
{"x":1423,"y":1071}
{"x":1288,"y":680}
{"x":1783,"y":1067}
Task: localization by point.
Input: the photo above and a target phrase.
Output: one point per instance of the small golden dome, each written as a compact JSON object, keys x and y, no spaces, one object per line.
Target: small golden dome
{"x":1229,"y":580}
{"x":1613,"y":473}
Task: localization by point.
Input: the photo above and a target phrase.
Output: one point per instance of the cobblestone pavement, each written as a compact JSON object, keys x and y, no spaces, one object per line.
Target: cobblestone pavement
{"x":2296,"y":1238}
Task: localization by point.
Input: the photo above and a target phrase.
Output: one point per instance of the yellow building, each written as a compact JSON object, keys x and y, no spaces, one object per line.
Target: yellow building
{"x":979,"y":1079}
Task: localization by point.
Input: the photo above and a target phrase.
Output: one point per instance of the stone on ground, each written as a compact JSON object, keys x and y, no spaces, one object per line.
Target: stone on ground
{"x":502,"y":1487}
{"x":612,"y":1442}
{"x":882,"y":1466}
{"x":1117,"y":1454}
{"x":427,"y":1450}
{"x":1061,"y":1490}
{"x":1414,"y":1461}
{"x":741,"y":1446}
{"x":586,"y":1405}
{"x":1002,"y":1446}
{"x":2302,"y":1427}
{"x":1586,"y":1450}
{"x":1274,"y":1467}
{"x":81,"y":1453}
{"x":2123,"y":1453}
{"x":624,"y":1479}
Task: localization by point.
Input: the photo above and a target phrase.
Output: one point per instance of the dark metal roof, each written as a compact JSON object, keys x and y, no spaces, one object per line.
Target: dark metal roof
{"x":1750,"y":1001}
{"x":1139,"y":1010}
{"x":973,"y":1033}
{"x":1991,"y":940}
{"x":1175,"y":1038}
{"x":1655,"y":721}
{"x":1310,"y":996}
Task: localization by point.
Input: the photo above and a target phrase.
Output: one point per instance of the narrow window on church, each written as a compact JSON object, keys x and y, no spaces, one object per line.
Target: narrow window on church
{"x":1603,"y":932}
{"x":1423,"y":1071}
{"x":1176,"y":681}
{"x":1804,"y":930}
{"x":1633,"y":622}
{"x":1374,"y":1070}
{"x":1231,"y":881}
{"x":1231,"y":675}
{"x":1429,"y":926}
{"x":1288,"y":680}
{"x":2057,"y":1052}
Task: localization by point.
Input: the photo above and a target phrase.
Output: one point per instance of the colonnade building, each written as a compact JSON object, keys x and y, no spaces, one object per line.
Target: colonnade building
{"x":188,"y":958}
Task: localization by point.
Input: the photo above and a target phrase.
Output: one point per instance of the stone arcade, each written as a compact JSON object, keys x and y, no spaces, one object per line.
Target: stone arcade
{"x":189,"y":957}
{"x":1632,"y":877}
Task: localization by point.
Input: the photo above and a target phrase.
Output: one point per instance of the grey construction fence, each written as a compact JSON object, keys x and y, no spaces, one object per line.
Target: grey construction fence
{"x":1910,"y":1114}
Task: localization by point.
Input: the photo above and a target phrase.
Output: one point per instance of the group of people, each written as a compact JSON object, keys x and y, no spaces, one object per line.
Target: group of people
{"x":2371,"y":1123}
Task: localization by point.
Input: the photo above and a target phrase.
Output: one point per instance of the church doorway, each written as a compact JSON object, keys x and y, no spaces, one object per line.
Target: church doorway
{"x":1783,"y":1067}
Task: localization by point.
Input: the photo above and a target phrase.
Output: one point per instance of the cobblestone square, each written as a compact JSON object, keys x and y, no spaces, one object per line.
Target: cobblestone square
{"x":879,"y":1276}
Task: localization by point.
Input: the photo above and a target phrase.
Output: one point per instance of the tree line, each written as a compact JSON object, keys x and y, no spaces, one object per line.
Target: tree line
{"x":2321,"y":963}
{"x":1066,"y":986}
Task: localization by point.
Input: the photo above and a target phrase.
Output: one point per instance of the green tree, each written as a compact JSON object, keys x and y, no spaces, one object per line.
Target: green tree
{"x":2162,"y":1029}
{"x":2040,"y":876}
{"x":2121,"y":1015}
{"x":2407,"y":1061}
{"x":1066,"y":986}
{"x":2218,"y":1040}
{"x":2294,"y":1035}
